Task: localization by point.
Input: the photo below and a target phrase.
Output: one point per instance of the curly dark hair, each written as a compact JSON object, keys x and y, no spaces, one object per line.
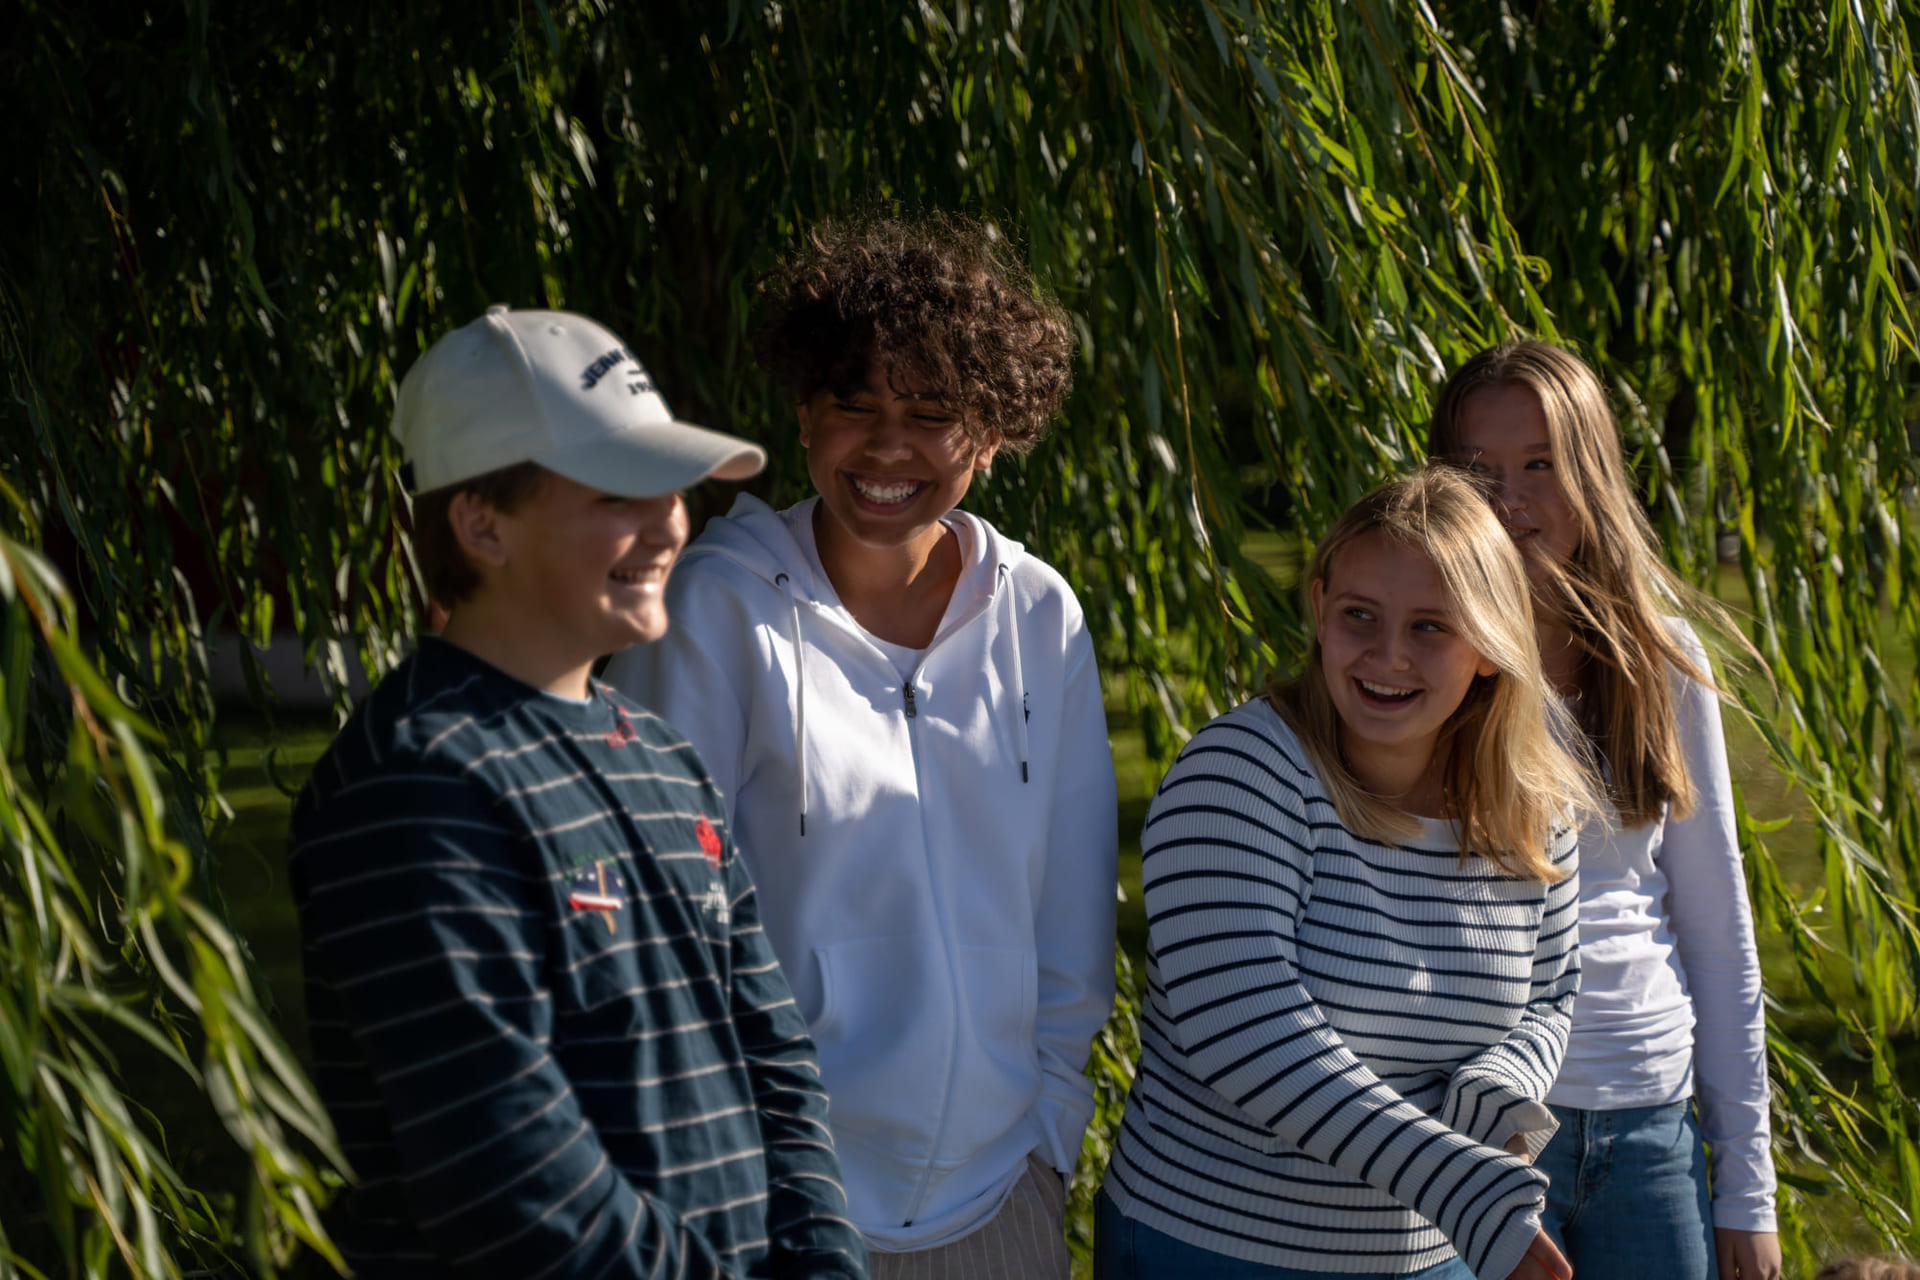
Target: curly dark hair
{"x":941,"y":301}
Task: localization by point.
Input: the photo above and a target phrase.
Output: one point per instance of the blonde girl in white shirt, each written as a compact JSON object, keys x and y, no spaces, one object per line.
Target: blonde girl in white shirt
{"x":1669,"y":1013}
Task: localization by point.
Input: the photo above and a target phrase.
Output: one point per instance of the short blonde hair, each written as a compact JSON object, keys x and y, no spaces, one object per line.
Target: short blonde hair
{"x":1509,"y":778}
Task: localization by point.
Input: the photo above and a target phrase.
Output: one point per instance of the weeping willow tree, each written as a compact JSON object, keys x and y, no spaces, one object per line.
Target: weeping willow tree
{"x":1276,"y":226}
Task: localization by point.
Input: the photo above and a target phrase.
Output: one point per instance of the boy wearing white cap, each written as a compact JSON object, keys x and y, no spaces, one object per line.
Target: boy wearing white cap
{"x":545,"y":1020}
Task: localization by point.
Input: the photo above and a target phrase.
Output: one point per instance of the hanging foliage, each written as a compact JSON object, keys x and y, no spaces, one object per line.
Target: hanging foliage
{"x":1276,"y":226}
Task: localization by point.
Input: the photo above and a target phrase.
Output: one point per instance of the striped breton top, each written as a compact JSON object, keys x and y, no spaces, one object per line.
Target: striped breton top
{"x":550,"y":1032}
{"x":1340,"y":1033}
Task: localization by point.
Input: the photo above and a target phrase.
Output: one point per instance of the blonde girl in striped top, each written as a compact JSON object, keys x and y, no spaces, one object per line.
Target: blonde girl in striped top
{"x":1361,"y":943}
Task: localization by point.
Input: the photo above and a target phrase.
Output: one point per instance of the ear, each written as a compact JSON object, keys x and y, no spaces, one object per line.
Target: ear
{"x":804,"y":412}
{"x":983,"y":456}
{"x":1487,"y":667}
{"x":476,"y":525}
{"x":1316,"y":597}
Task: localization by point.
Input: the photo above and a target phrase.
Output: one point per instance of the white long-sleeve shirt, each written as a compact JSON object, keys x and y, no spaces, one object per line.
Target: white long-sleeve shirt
{"x":1341,"y":1033}
{"x":1669,"y":998}
{"x":933,"y":849}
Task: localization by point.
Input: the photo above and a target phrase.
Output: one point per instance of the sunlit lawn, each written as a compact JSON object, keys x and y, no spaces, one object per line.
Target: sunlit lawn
{"x":252,"y":877}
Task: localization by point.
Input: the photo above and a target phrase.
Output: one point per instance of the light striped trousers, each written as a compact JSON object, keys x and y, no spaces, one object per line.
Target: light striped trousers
{"x":1024,"y":1241}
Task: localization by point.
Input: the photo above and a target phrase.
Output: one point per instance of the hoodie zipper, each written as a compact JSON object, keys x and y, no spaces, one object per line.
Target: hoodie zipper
{"x":949,"y":945}
{"x":909,"y":697}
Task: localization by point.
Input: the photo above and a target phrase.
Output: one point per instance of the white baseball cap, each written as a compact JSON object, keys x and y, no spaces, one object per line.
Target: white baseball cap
{"x":559,"y":390}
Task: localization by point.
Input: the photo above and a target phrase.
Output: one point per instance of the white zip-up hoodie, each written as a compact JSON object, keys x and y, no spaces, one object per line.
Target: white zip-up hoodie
{"x":934,"y":856}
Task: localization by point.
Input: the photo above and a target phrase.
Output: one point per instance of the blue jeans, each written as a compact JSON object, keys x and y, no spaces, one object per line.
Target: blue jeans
{"x":1125,"y":1250}
{"x":1628,"y":1194}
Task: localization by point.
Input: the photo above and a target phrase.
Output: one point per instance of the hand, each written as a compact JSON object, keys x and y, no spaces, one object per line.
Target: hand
{"x":1544,"y":1261}
{"x":1517,"y":1146}
{"x":1747,"y":1255}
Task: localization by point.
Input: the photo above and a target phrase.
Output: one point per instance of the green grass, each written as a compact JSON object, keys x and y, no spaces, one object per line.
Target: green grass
{"x":251,"y":850}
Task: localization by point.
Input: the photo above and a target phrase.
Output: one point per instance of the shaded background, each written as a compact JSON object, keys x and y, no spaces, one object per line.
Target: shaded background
{"x":225,"y":233}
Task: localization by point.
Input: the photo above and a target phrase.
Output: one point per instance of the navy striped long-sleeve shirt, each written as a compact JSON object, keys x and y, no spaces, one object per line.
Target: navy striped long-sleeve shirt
{"x":546,"y":1023}
{"x":1341,"y":1033}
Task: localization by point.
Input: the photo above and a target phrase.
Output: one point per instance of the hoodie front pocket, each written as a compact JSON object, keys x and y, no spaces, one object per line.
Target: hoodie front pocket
{"x":912,"y":1054}
{"x":885,"y":1035}
{"x":996,"y":1074}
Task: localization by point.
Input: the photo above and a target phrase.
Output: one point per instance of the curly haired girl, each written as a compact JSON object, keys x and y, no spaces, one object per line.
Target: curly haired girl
{"x":902,"y":709}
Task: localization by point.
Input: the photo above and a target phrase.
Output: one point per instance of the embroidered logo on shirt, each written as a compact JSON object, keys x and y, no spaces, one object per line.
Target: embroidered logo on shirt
{"x":709,"y":840}
{"x":622,"y":732}
{"x":715,"y":900}
{"x":596,"y":890}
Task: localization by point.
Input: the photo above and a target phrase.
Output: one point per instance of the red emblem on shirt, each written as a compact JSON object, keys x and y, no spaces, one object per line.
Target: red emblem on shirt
{"x":709,"y":840}
{"x":622,"y":732}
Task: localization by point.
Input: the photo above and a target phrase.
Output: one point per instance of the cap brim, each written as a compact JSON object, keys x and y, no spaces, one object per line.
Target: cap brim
{"x":657,"y":459}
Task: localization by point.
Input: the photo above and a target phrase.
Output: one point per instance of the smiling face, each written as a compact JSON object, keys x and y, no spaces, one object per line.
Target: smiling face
{"x":587,"y":568}
{"x":1502,"y":437}
{"x":1395,"y":664}
{"x":889,"y":462}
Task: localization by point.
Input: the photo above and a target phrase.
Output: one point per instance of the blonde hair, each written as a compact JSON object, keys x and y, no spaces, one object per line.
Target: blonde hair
{"x":1506,"y":776}
{"x":1612,"y":593}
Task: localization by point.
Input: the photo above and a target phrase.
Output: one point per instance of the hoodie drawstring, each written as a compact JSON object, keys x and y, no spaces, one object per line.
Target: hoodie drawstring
{"x":1012,"y":613}
{"x":799,"y":692}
